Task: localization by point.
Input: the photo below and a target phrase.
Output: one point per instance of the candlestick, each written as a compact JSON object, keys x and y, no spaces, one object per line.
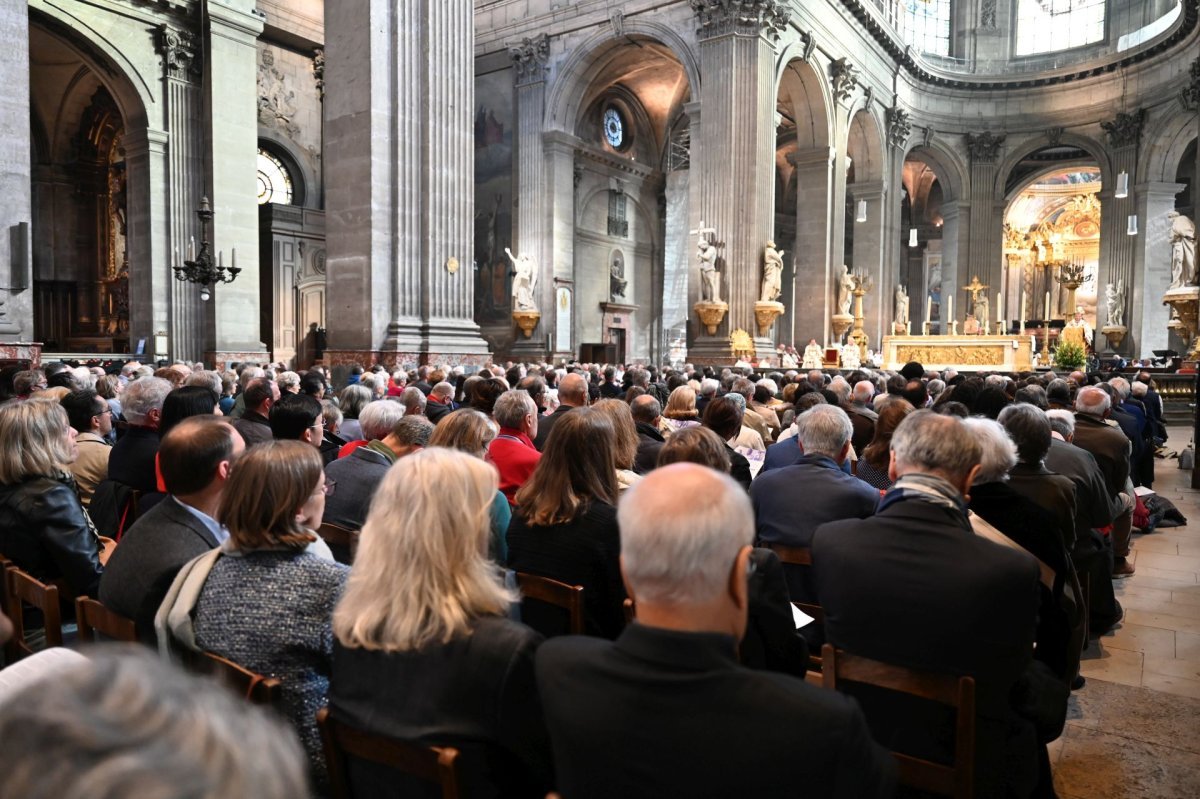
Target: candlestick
{"x":1047,"y":316}
{"x":1000,"y":307}
{"x":1023,"y":296}
{"x":950,"y":309}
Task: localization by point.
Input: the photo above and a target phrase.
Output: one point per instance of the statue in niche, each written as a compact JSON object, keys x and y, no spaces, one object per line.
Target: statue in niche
{"x":772,"y":273}
{"x":1183,"y":251}
{"x":901,"y":307}
{"x":710,"y":278}
{"x":616,"y":278}
{"x":1114,"y":300}
{"x":524,"y":277}
{"x":845,"y":291}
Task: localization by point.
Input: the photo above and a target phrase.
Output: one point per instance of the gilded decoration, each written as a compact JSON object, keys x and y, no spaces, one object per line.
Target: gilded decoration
{"x":959,"y":355}
{"x":741,"y":344}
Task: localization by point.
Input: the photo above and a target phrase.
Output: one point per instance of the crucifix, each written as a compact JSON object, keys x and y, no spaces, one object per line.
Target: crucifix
{"x":974,"y":287}
{"x":702,"y":230}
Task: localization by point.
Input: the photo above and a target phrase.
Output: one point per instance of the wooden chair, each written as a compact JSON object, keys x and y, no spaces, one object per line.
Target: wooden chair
{"x":798,"y":556}
{"x":97,"y":623}
{"x":436,"y":765}
{"x":954,"y":780}
{"x":552,"y":592}
{"x":343,"y":542}
{"x":21,"y":590}
{"x":251,"y":686}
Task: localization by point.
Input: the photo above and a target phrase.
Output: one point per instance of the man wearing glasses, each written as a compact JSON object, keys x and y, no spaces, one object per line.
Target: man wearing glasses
{"x":91,"y":417}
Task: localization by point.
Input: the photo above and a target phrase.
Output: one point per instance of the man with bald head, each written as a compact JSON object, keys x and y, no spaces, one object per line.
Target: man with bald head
{"x":572,"y":393}
{"x":647,"y":413}
{"x":657,"y":696}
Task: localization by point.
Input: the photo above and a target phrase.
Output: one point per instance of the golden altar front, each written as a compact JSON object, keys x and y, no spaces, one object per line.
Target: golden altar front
{"x":964,"y":353}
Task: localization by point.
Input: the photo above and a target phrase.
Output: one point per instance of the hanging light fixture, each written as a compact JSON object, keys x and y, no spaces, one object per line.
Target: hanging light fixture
{"x":1132,"y":230}
{"x":1122,"y":185}
{"x":912,"y":237}
{"x":862,"y":211}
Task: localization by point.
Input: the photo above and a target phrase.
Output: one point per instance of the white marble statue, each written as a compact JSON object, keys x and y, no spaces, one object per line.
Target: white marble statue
{"x":772,"y":273}
{"x":982,"y":310}
{"x":710,"y":279}
{"x":813,"y":355}
{"x":845,"y":291}
{"x":524,"y":277}
{"x":1183,"y":251}
{"x":901,"y":306}
{"x":1114,"y":299}
{"x":850,"y":356}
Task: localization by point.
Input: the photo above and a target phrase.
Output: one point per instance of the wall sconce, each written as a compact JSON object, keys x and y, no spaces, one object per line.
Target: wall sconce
{"x":1122,"y":186}
{"x":1132,"y":229}
{"x":912,"y":237}
{"x":862,"y":211}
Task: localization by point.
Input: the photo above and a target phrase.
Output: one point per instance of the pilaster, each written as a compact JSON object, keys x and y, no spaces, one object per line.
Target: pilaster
{"x":16,"y":209}
{"x":1145,"y":311}
{"x":1124,"y":133}
{"x":813,"y":289}
{"x":558,"y":268}
{"x":983,"y":254}
{"x":868,"y":257}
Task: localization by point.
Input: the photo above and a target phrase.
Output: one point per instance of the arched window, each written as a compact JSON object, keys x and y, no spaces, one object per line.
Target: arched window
{"x":1044,"y":26}
{"x":275,"y":183}
{"x":925,"y":24}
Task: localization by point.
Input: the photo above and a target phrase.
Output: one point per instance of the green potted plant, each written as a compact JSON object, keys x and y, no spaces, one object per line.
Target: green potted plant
{"x":1069,"y":355}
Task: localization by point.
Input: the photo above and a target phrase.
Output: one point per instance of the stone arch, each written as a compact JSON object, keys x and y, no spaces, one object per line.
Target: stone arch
{"x":1161,"y":158}
{"x":864,"y":144}
{"x":950,"y":168}
{"x":303,"y":180}
{"x":1034,"y":143}
{"x":574,"y":75}
{"x":804,"y":93}
{"x":1049,"y":169}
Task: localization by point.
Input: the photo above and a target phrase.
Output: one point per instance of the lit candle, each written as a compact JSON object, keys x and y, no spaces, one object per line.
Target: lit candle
{"x":928,"y":307}
{"x":191,"y":248}
{"x":1000,"y":308}
{"x":950,"y":308}
{"x":233,"y":258}
{"x":1046,"y":318}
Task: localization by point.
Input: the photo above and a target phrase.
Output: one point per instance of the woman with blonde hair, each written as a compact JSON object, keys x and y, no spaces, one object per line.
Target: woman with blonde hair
{"x":467,"y":430}
{"x":267,"y":600}
{"x":625,"y":444}
{"x":424,"y":650}
{"x":565,"y":524}
{"x":44,"y":529}
{"x":680,"y":411}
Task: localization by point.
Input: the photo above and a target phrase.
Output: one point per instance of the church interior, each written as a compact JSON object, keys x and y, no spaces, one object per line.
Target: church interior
{"x":1002,"y":186}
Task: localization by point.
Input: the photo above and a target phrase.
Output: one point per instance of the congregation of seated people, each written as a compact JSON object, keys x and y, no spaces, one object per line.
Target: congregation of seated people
{"x":580,"y":580}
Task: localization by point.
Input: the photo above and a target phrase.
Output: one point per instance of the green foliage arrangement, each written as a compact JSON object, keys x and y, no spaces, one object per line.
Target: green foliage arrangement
{"x":1069,"y":355}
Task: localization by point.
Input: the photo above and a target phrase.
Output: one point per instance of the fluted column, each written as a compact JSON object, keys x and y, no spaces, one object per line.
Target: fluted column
{"x":531,"y":212}
{"x":148,"y":163}
{"x":868,"y":257}
{"x":984,"y":252}
{"x":734,"y":165}
{"x":558,"y":269}
{"x":16,"y":209}
{"x":1116,"y":246}
{"x":814,"y":293}
{"x":399,"y":100}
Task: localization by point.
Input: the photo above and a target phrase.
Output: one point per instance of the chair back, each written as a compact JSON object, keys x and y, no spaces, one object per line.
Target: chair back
{"x":436,"y":765}
{"x":343,"y":542}
{"x":798,"y":556}
{"x":97,"y":623}
{"x":552,"y":592}
{"x":251,"y":686}
{"x":954,"y":780}
{"x":22,"y":590}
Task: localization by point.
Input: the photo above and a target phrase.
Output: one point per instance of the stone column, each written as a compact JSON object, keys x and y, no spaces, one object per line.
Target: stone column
{"x":16,"y":210}
{"x":983,"y":254}
{"x":1116,"y":246}
{"x":869,"y":257}
{"x":559,"y":264}
{"x":1144,"y":309}
{"x":399,"y":101}
{"x":733,"y":171}
{"x":150,"y":236}
{"x":231,"y":151}
{"x":813,"y":289}
{"x":956,"y":223}
{"x":532,"y":198}
{"x":843,"y":78}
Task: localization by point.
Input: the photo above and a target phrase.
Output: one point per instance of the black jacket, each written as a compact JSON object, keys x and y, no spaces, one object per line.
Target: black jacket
{"x":132,"y":459}
{"x":45,"y":532}
{"x":546,"y":424}
{"x":476,"y":693}
{"x":662,"y":713}
{"x":650,"y":442}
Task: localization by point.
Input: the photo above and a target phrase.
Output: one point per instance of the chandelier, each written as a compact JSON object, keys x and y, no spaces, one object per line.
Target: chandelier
{"x":200,"y":267}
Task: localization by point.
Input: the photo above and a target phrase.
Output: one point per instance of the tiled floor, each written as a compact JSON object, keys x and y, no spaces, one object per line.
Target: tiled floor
{"x":1134,"y":730}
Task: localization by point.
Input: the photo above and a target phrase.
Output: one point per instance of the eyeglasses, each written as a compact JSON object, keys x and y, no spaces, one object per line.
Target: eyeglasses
{"x":101,"y":413}
{"x":327,"y":487}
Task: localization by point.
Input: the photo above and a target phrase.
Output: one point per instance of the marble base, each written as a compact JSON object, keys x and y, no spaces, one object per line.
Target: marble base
{"x":221,"y":359}
{"x":18,"y":353}
{"x":964,"y":353}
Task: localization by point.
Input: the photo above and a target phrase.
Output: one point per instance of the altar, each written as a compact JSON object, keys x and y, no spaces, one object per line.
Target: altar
{"x":964,"y":353}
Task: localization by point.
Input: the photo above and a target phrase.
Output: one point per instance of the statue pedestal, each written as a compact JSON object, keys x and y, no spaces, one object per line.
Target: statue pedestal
{"x":765,"y":313}
{"x":711,"y":314}
{"x":841,"y":323}
{"x":526,"y":321}
{"x":1185,"y":302}
{"x":1115,"y":334}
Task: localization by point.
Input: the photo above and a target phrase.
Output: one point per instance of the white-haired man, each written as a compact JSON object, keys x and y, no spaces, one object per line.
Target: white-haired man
{"x":131,"y":461}
{"x":512,"y":450}
{"x":666,"y":709}
{"x":1111,"y":448}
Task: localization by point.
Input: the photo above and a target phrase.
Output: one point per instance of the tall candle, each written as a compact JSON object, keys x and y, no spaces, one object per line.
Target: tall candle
{"x":1046,"y":318}
{"x":1000,"y":308}
{"x":1023,"y":295}
{"x":950,"y":308}
{"x":928,"y":307}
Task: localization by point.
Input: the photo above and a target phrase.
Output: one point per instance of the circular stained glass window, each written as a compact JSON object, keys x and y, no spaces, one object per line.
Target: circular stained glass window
{"x":274,"y":180}
{"x":614,"y":128}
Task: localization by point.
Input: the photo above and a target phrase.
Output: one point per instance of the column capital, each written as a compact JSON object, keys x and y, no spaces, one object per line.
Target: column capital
{"x":866,"y":190}
{"x":766,"y":18}
{"x":1125,"y":130}
{"x":899,"y":126}
{"x":843,"y":77}
{"x":530,"y":58}
{"x":180,"y":52}
{"x":984,"y":148}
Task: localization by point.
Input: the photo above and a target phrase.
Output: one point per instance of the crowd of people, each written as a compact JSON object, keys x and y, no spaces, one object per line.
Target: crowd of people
{"x":958,"y":523}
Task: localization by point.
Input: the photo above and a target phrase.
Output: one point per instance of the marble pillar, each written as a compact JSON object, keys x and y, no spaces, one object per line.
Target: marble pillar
{"x":983,"y":255}
{"x":16,"y":210}
{"x":560,"y":264}
{"x":733,"y":171}
{"x":398,"y":110}
{"x":813,"y":290}
{"x":149,"y":168}
{"x":1116,"y":246}
{"x":231,"y":150}
{"x":956,"y":224}
{"x":868,"y":257}
{"x":1144,"y":311}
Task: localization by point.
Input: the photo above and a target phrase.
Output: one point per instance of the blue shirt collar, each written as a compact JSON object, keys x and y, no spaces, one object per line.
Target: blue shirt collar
{"x":218,"y":532}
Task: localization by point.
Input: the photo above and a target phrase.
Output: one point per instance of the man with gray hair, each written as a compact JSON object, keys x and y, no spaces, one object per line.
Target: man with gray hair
{"x":357,"y":475}
{"x":823,"y":433}
{"x":131,"y":461}
{"x":440,"y":402}
{"x":512,"y":450}
{"x":414,"y":401}
{"x":862,"y":415}
{"x":708,"y":391}
{"x":910,"y":586}
{"x":685,"y":565}
{"x":751,"y":418}
{"x":1111,"y":449}
{"x":647,"y":413}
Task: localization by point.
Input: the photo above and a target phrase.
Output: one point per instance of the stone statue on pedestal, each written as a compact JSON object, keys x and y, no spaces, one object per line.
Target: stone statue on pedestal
{"x":901,"y":307}
{"x":1183,"y":251}
{"x":845,"y":291}
{"x":710,"y":278}
{"x":982,"y":310}
{"x":1114,"y":299}
{"x":772,"y":273}
{"x":524,"y":277}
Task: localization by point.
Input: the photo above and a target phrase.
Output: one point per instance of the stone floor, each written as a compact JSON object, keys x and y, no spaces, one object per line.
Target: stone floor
{"x":1134,"y":729}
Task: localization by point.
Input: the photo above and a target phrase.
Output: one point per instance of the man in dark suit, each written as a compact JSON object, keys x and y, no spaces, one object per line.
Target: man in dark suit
{"x":195,"y":459}
{"x":914,"y":586}
{"x":255,"y":425}
{"x":572,"y":393}
{"x":1111,"y":448}
{"x":131,"y":461}
{"x":441,"y":402}
{"x":647,"y":411}
{"x":666,"y":709}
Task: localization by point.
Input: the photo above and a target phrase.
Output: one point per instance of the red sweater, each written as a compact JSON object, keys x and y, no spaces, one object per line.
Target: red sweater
{"x":515,"y":458}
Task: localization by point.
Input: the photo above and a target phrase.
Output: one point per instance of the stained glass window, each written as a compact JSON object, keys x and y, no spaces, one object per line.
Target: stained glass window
{"x":274,"y":180}
{"x":1044,"y":26}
